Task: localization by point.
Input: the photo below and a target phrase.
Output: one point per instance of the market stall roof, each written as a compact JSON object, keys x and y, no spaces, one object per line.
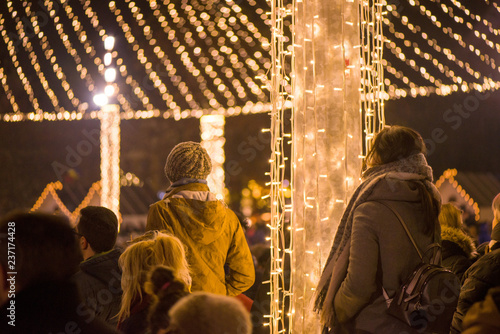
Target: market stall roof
{"x":475,"y":190}
{"x":70,"y":198}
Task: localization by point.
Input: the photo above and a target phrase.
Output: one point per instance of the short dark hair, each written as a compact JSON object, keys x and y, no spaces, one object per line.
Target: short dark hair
{"x":45,"y":247}
{"x":99,"y":226}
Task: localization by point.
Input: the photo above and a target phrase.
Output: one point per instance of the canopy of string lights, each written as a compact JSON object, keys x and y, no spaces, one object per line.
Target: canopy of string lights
{"x":189,"y":58}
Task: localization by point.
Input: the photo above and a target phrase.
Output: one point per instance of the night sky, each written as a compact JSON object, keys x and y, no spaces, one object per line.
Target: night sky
{"x":462,"y":131}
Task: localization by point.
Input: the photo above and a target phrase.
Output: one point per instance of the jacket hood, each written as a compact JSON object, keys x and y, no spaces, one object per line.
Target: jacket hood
{"x":104,"y":267}
{"x":392,"y":189}
{"x":460,"y":238}
{"x":199,"y":211}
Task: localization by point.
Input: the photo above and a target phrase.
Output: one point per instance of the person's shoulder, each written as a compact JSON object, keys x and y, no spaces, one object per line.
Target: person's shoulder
{"x":486,"y":265}
{"x":160,"y":203}
{"x":372,"y":207}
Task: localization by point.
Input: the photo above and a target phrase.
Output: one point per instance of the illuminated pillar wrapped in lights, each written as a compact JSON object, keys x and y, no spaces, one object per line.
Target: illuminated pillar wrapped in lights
{"x":327,"y":139}
{"x":110,"y":157}
{"x":212,"y":139}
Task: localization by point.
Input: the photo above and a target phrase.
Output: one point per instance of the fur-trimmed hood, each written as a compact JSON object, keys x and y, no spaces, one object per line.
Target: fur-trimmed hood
{"x":460,"y":238}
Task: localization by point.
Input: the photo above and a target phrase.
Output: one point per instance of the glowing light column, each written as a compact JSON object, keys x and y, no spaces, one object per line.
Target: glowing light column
{"x":110,"y":137}
{"x":110,"y":157}
{"x":327,"y":139}
{"x":212,"y":139}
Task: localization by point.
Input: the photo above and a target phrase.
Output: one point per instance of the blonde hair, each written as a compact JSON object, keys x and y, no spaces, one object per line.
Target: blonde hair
{"x":139,"y":258}
{"x":450,"y":216}
{"x":495,"y":206}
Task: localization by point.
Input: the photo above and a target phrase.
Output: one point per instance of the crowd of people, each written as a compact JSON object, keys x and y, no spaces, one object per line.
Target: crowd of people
{"x":193,"y":271}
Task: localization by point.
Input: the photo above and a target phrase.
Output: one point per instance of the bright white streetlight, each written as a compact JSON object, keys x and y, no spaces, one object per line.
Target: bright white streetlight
{"x":109,"y":90}
{"x":109,"y":42}
{"x":108,"y":57}
{"x":100,"y":99}
{"x":110,"y":75}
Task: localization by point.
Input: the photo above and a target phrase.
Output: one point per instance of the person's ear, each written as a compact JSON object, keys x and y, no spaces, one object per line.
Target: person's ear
{"x":84,"y":244}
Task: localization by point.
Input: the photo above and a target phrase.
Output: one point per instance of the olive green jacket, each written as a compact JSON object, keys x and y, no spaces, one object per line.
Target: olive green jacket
{"x":212,"y":235}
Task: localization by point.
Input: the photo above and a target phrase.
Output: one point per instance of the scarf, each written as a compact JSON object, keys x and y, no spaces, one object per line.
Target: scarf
{"x":412,"y":168}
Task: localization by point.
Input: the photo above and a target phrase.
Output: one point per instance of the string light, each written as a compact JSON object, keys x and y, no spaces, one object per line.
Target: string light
{"x":84,"y":73}
{"x":281,"y":242}
{"x":51,"y":189}
{"x":449,"y":176}
{"x":212,"y":139}
{"x":196,"y":51}
{"x":142,"y":58}
{"x":12,"y":52}
{"x":124,"y":103}
{"x":7,"y":90}
{"x":448,"y":30}
{"x":91,"y":194}
{"x":110,"y":157}
{"x":50,"y":56}
{"x":459,"y":84}
{"x":371,"y":68}
{"x":126,"y":180}
{"x":233,"y":63}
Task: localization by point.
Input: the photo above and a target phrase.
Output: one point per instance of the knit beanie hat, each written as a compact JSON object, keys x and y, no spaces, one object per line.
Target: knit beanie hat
{"x":188,"y":160}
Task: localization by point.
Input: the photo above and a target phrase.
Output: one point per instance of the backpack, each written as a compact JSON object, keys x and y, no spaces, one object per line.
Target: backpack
{"x":428,"y":298}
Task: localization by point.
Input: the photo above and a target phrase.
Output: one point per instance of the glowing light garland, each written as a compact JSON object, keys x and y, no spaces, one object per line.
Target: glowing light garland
{"x":7,"y":90}
{"x":459,"y":83}
{"x":126,"y":180}
{"x":280,"y":290}
{"x":372,"y":69}
{"x":326,"y":135}
{"x":93,"y":191}
{"x":449,"y":175}
{"x":225,"y":28}
{"x":110,"y":157}
{"x":336,"y":81}
{"x":84,"y":73}
{"x":51,"y":57}
{"x":124,"y":103}
{"x":142,"y":58}
{"x":212,"y":139}
{"x":12,"y":53}
{"x":51,"y":189}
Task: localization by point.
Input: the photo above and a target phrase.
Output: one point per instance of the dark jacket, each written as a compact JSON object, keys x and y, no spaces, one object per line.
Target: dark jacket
{"x":51,"y":307}
{"x":212,"y":235}
{"x":457,"y":249}
{"x":137,"y":322}
{"x":478,"y":279}
{"x":99,"y":280}
{"x":381,"y":255}
{"x":484,"y":316}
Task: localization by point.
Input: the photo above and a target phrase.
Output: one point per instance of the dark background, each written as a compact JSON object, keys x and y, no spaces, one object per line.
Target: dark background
{"x":28,"y":150}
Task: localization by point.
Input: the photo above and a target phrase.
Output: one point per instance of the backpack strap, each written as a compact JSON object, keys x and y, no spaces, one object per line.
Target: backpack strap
{"x":436,"y":253}
{"x":404,"y":227}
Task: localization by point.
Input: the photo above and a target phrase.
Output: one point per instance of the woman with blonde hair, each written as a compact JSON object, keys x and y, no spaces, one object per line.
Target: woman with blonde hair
{"x":457,"y":248}
{"x":136,"y":261}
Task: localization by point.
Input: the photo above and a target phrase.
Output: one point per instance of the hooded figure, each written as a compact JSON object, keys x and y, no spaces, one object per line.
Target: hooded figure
{"x":210,"y":231}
